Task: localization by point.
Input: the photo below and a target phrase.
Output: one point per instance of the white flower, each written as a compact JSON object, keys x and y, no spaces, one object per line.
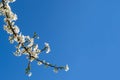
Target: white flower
{"x":67,"y":68}
{"x":12,"y":23}
{"x":38,"y":51}
{"x":31,"y":59}
{"x":5,"y":20}
{"x":16,"y":29}
{"x":29,"y":74}
{"x":55,"y":70}
{"x":11,"y":39}
{"x":9,"y":31}
{"x":39,"y":63}
{"x":35,"y":47}
{"x":47,"y":47}
{"x":20,"y":38}
{"x":31,"y":42}
{"x":29,"y":49}
{"x":8,"y":8}
{"x":34,"y":54}
{"x":17,"y":53}
{"x":14,"y":17}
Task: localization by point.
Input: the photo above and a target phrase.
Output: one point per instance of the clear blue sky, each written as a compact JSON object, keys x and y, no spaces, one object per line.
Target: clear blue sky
{"x":82,"y":33}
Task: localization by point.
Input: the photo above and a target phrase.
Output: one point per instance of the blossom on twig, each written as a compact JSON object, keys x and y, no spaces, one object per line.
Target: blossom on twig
{"x":25,"y":44}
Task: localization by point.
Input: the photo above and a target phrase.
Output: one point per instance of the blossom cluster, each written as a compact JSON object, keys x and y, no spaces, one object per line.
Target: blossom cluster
{"x":25,"y":44}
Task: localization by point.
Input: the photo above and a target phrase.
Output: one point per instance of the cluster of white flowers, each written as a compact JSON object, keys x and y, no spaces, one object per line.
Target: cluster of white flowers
{"x":26,"y":45}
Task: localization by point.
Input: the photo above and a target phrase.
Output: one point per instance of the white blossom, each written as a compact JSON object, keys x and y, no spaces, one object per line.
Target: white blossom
{"x":67,"y":68}
{"x":17,"y":53}
{"x":9,"y":31}
{"x":39,"y":63}
{"x":14,"y":17}
{"x":16,"y":29}
{"x":55,"y":70}
{"x":29,"y":74}
{"x":29,"y":49}
{"x":38,"y":50}
{"x":35,"y":47}
{"x":47,"y":63}
{"x":34,"y":54}
{"x":8,"y":8}
{"x":31,"y":59}
{"x":12,"y":23}
{"x":31,"y":42}
{"x":20,"y":38}
{"x":11,"y":39}
{"x":47,"y":47}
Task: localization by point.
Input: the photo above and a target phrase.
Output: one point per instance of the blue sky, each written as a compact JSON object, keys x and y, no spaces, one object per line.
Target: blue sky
{"x":82,"y":33}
